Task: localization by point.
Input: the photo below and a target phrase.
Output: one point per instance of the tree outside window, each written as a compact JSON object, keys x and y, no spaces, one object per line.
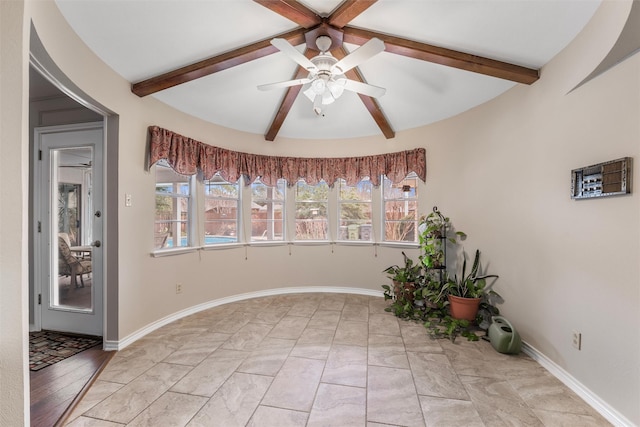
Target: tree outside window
{"x":221,"y":211}
{"x":311,"y":211}
{"x":401,"y":210}
{"x":354,"y":211}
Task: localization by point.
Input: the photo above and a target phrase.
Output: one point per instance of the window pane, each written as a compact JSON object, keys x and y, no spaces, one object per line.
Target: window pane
{"x":355,"y":211}
{"x":171,"y":228}
{"x":401,"y":210}
{"x":311,"y":211}
{"x":267,"y":211}
{"x":221,"y":211}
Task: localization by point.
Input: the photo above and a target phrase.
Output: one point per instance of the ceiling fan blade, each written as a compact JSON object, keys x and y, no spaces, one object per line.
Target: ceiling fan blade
{"x":364,"y":88}
{"x":285,"y":47}
{"x":358,"y":56}
{"x":287,"y":83}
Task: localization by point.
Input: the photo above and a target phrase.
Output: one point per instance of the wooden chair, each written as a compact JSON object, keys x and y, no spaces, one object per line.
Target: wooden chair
{"x":69,"y":265}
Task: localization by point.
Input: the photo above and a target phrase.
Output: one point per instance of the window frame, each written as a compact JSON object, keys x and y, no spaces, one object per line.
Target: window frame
{"x":239,"y":205}
{"x":270,"y":201}
{"x":333,"y":205}
{"x":189,"y":222}
{"x":343,"y":235}
{"x":413,"y":198}
{"x":327,"y":221}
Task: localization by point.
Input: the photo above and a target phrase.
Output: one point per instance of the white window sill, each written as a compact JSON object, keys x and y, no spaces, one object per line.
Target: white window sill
{"x":268,"y":243}
{"x":355,"y":242}
{"x":310,"y":242}
{"x":174,"y":251}
{"x":273,"y":243}
{"x":222,"y":246}
{"x":400,"y":245}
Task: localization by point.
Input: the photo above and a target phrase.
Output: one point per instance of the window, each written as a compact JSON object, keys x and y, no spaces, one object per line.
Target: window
{"x":400,"y":210}
{"x":221,"y":211}
{"x":173,"y":214}
{"x":267,"y":211}
{"x":354,"y":211}
{"x":311,"y":211}
{"x":217,"y":208}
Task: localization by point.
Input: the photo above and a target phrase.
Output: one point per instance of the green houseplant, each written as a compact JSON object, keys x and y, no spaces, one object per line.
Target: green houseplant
{"x":467,"y":292}
{"x":433,"y":236}
{"x":403,"y":278}
{"x":422,"y":290}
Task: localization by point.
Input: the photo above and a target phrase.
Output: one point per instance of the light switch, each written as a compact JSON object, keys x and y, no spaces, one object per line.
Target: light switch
{"x":127,"y":200}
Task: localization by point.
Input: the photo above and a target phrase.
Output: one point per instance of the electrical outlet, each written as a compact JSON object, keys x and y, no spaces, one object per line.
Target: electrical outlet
{"x":178,"y":288}
{"x":576,"y":340}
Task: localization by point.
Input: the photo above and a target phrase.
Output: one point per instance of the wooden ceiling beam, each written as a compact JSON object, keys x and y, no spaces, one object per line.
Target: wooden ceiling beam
{"x":348,"y":10}
{"x":448,"y":57}
{"x":370,"y":103}
{"x":215,"y":64}
{"x":293,"y":11}
{"x":287,"y":101}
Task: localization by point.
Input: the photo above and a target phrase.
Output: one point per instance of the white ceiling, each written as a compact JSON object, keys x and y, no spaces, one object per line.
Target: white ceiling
{"x":140,"y":39}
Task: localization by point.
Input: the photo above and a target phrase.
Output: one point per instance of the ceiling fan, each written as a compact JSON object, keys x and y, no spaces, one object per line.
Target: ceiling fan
{"x":313,"y":26}
{"x":326,"y":80}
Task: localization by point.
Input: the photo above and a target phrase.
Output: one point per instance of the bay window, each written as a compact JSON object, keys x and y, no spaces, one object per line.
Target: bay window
{"x":342,"y":213}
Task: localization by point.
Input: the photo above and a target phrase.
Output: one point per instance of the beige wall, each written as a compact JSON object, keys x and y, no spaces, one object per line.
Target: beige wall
{"x":14,"y":386}
{"x":501,"y":171}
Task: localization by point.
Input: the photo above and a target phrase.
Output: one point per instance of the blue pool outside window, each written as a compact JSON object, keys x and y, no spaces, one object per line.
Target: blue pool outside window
{"x":222,"y":209}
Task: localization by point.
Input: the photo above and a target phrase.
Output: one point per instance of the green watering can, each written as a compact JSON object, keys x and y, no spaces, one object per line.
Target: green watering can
{"x":504,"y":337}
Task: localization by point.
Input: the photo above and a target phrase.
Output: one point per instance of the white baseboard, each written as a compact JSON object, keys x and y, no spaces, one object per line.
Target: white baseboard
{"x":603,"y":408}
{"x":121,"y":344}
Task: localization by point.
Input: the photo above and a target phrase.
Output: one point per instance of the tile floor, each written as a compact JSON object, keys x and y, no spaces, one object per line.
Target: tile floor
{"x":320,"y":360}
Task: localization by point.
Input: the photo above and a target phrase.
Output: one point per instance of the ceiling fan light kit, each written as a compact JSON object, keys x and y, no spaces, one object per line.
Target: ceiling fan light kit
{"x":326,"y":80}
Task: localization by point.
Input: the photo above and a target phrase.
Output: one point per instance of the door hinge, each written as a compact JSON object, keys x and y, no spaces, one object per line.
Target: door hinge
{"x":39,"y":299}
{"x":39,"y":154}
{"x":39,"y":227}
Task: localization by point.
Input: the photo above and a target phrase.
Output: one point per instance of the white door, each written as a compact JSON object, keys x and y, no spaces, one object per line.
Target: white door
{"x":69,"y":222}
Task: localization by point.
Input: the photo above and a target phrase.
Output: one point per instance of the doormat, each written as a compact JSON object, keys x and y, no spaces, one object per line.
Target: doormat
{"x":47,"y":347}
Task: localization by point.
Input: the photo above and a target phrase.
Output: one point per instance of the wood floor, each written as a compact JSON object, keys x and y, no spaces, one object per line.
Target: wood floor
{"x":56,"y":389}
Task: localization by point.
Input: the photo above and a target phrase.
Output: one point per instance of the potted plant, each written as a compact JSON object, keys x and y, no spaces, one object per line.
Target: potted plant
{"x":404,"y":280}
{"x":467,"y":292}
{"x":422,"y":290}
{"x":433,"y":236}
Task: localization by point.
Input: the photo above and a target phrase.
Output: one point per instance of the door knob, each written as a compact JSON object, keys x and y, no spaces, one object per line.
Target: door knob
{"x":96,"y":243}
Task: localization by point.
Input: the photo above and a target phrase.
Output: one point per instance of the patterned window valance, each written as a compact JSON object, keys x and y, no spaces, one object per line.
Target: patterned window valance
{"x":186,"y":156}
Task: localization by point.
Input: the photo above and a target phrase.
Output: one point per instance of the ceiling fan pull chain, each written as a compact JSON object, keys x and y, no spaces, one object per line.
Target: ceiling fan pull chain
{"x":317,"y":105}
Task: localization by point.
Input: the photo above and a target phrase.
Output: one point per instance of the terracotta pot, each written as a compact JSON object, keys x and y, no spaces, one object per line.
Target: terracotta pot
{"x":405,"y":289}
{"x":463,"y":308}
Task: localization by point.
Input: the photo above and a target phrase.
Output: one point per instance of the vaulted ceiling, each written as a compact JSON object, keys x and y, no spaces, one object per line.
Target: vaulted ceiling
{"x":442,"y":57}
